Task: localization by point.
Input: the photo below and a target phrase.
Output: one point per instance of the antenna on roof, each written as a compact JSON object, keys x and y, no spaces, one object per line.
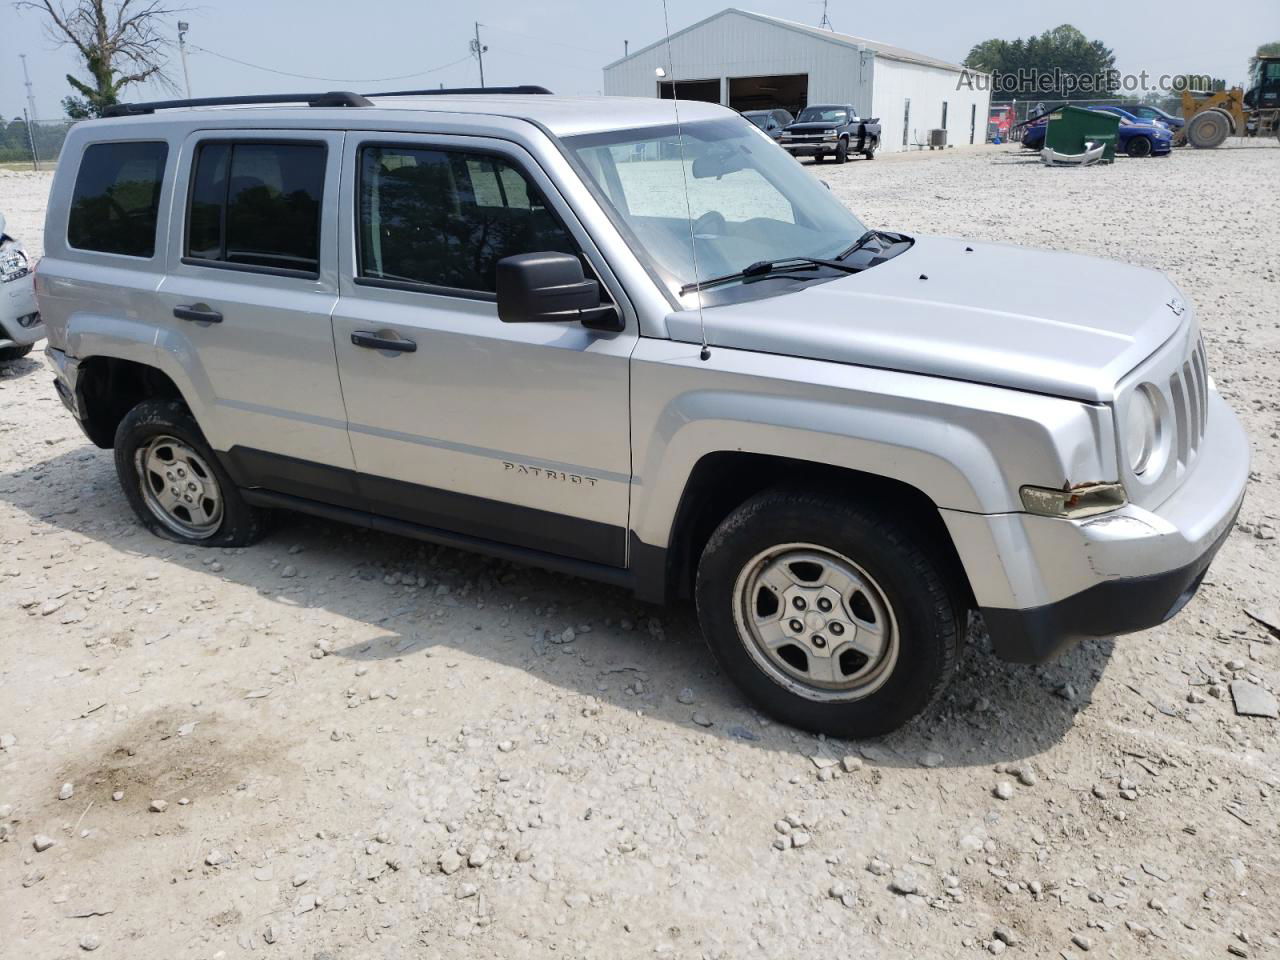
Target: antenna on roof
{"x":825,"y":22}
{"x":705,"y":353}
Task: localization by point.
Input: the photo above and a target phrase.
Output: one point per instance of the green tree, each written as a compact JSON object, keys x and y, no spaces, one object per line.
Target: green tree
{"x":1052,"y":65}
{"x":120,"y":43}
{"x":1266,"y":50}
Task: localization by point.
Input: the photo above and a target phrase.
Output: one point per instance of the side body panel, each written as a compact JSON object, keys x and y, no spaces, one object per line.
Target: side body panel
{"x":968,"y":447}
{"x":266,"y":376}
{"x":489,"y":415}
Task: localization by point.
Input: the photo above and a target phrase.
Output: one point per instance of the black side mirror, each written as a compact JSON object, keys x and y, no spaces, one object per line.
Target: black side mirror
{"x":549,"y":288}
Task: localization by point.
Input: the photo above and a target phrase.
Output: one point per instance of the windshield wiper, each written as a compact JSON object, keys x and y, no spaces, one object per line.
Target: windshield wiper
{"x":761,"y":269}
{"x":882,"y":235}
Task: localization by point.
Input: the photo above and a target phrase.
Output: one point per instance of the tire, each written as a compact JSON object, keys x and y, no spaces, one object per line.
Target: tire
{"x":881,"y":575}
{"x":208,"y":510}
{"x":870,"y":152}
{"x":15,"y":353}
{"x":818,"y":158}
{"x":842,"y":150}
{"x":1138,"y":147}
{"x":1208,"y":129}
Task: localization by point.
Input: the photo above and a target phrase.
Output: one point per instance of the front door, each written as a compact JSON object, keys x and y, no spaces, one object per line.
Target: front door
{"x":514,"y":433}
{"x":246,"y":302}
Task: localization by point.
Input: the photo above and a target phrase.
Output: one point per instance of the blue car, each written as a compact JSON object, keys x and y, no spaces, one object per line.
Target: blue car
{"x":1137,"y":139}
{"x":1159,"y":116}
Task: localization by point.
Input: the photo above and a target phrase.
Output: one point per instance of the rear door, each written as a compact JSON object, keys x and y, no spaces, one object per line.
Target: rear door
{"x":517,"y":433}
{"x":250,"y":287}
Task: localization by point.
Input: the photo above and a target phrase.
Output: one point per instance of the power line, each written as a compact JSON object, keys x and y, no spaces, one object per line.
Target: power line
{"x":307,"y":76}
{"x":558,"y":43}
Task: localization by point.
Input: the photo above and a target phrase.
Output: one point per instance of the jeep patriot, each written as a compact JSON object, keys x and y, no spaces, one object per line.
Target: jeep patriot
{"x":569,"y":333}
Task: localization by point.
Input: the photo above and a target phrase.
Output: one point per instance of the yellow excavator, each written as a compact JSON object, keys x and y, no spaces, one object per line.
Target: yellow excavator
{"x":1255,"y":112}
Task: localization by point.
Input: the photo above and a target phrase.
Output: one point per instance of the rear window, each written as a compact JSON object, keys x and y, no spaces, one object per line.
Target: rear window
{"x":117,"y":198}
{"x":257,"y":205}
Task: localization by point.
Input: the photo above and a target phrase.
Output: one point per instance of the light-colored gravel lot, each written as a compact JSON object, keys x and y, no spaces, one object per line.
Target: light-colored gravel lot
{"x":365,"y":747}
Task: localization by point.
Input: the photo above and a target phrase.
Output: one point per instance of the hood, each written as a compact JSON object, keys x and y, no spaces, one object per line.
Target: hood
{"x":813,"y":126}
{"x":1038,"y":320}
{"x":1157,"y":130}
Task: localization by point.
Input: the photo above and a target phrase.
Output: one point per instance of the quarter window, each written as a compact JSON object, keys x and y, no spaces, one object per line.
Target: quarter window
{"x":116,"y":199}
{"x":257,"y":205}
{"x":445,"y":218}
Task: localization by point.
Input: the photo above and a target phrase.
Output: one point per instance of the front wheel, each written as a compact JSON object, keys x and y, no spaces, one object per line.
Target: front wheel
{"x":173,"y":480}
{"x":15,"y":353}
{"x":1139,"y":147}
{"x":828,"y":614}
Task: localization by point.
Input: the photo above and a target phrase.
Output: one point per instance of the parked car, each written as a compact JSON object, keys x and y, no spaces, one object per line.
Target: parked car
{"x":20,"y":326}
{"x":1155,"y":114}
{"x":1139,"y":138}
{"x":1133,"y":139}
{"x":831,"y":130}
{"x":479,"y":320}
{"x":772,"y":122}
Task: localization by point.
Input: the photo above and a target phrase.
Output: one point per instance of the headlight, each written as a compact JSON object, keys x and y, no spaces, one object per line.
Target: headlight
{"x":1083,"y":500}
{"x":828,"y":133}
{"x":13,"y":263}
{"x":1141,"y":430}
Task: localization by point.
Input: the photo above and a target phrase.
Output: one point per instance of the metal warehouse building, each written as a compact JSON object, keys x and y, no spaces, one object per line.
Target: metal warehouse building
{"x":750,"y":61}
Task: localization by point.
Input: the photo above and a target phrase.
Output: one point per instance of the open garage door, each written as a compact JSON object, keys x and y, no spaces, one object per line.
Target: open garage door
{"x":788,"y":91}
{"x":708,"y":91}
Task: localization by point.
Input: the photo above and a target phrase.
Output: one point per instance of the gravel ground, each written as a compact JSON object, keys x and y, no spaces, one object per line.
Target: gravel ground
{"x":344,"y":745}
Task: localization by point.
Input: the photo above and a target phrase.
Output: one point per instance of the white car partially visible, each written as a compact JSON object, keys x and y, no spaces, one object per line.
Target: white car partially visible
{"x":20,"y":325}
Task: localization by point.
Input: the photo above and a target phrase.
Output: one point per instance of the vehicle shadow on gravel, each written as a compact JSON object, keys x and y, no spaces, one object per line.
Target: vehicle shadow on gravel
{"x":446,"y":601}
{"x":17,"y":369}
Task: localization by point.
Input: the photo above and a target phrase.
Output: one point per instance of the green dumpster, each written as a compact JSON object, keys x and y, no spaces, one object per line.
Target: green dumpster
{"x":1070,"y":128}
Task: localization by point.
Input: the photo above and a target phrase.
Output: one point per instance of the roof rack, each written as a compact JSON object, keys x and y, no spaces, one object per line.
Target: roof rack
{"x":521,"y":90}
{"x":334,"y":98}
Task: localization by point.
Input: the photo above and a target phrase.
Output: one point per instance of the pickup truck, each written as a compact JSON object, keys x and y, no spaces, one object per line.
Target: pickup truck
{"x":831,"y":130}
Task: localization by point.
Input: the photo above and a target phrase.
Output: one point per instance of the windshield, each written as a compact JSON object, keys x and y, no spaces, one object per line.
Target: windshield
{"x":750,"y":201}
{"x":823,"y":114}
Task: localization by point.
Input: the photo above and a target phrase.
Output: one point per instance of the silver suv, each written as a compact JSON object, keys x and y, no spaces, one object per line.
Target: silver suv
{"x":570,"y":333}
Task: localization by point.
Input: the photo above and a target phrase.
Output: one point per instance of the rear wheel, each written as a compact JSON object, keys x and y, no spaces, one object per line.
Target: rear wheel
{"x":173,"y":480}
{"x":870,"y":152}
{"x":842,"y":150}
{"x":15,"y":353}
{"x":827,"y":613}
{"x":1208,"y":129}
{"x":1138,"y":147}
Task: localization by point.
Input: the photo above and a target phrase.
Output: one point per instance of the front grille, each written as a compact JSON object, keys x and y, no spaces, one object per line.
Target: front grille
{"x":1189,"y":392}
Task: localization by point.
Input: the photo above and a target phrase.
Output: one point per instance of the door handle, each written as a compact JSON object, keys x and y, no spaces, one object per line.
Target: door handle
{"x":371,"y":341}
{"x":197,"y":313}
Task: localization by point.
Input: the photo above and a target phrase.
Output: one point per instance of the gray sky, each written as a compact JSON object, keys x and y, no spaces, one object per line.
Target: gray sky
{"x":563,"y":44}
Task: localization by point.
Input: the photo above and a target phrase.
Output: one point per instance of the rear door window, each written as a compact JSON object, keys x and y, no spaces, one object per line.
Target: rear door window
{"x":116,"y":200}
{"x":444,"y":218}
{"x":257,"y":206}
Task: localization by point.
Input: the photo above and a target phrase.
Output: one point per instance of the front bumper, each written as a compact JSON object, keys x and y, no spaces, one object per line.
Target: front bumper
{"x":1043,"y":584}
{"x":17,"y":307}
{"x":811,"y":148}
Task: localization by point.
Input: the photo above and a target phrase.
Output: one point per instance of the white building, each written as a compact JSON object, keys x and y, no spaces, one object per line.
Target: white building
{"x":749,"y":61}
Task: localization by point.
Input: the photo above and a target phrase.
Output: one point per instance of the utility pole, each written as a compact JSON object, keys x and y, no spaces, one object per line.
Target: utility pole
{"x":477,"y":51}
{"x":31,"y":100}
{"x":29,"y":115}
{"x":31,"y":139}
{"x":183,"y":27}
{"x":626,"y":48}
